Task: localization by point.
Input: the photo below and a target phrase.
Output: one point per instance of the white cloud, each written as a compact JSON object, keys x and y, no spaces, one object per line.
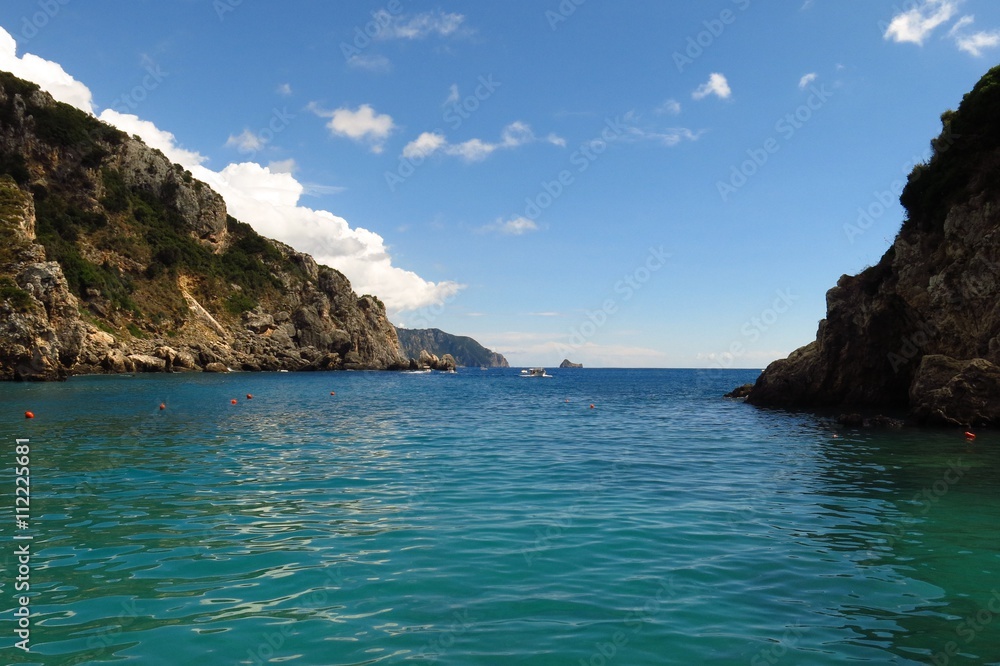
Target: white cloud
{"x":283,"y":166}
{"x":517,"y":226}
{"x":266,"y":199}
{"x":716,"y":85}
{"x":807,"y":79}
{"x":154,"y":137}
{"x":634,"y":130}
{"x":247,"y":142}
{"x":474,"y":150}
{"x":671,"y":107}
{"x":371,"y":63}
{"x":425,"y":144}
{"x":917,"y":23}
{"x":285,"y":89}
{"x":363,"y":124}
{"x":49,"y":75}
{"x":453,"y":95}
{"x":421,"y":26}
{"x":974,"y":43}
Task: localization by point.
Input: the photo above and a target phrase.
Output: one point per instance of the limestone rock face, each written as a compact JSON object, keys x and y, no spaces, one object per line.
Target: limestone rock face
{"x":41,"y":334}
{"x":146,"y":272}
{"x":946,"y":391}
{"x":935,"y":293}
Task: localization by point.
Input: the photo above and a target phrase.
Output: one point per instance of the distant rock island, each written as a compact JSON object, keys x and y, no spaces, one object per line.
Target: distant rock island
{"x":569,"y":364}
{"x":464,"y":350}
{"x":114,"y":260}
{"x":920,"y":331}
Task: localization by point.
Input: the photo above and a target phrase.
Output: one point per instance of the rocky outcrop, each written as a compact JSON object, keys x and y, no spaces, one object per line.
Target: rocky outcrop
{"x":920,"y":331}
{"x":950,"y":392}
{"x":569,"y":364}
{"x":427,"y":361}
{"x":466,"y":351}
{"x":41,"y":334}
{"x":115,"y":260}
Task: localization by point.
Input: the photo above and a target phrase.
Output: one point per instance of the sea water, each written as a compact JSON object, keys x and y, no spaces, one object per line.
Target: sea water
{"x":597,"y":517}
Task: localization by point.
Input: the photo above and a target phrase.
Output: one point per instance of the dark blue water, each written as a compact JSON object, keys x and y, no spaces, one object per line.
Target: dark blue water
{"x":485,"y":518}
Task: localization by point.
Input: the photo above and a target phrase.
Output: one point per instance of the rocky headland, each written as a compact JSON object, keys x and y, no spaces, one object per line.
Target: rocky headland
{"x":463,"y":350}
{"x":114,"y":260}
{"x":919,"y":332}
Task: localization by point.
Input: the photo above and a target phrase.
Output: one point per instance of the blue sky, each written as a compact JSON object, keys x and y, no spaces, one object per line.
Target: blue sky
{"x":640,"y":183}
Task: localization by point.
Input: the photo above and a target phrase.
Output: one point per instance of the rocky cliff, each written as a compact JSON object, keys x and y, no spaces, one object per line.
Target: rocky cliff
{"x":112,"y":259}
{"x":465,"y":350}
{"x":919,"y":331}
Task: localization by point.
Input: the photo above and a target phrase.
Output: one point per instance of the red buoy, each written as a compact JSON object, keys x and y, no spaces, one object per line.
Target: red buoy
{"x":163,"y":406}
{"x":29,"y":415}
{"x":333,"y":393}
{"x":233,"y":401}
{"x":591,"y":405}
{"x":249,"y":396}
{"x":970,"y":436}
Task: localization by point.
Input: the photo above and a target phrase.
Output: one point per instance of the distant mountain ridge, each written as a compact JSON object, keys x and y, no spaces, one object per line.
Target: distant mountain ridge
{"x":466,"y":351}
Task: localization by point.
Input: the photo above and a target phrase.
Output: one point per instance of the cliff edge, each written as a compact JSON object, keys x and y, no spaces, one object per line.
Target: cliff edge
{"x":919,"y":331}
{"x":112,"y":260}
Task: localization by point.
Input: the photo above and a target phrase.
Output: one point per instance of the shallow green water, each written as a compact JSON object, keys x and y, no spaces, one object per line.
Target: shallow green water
{"x":483,"y":518}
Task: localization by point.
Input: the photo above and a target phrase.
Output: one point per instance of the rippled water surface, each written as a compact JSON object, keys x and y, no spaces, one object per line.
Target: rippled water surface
{"x":485,"y":518}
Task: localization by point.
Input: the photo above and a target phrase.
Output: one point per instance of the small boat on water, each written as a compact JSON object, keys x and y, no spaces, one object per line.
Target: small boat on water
{"x":534,"y":372}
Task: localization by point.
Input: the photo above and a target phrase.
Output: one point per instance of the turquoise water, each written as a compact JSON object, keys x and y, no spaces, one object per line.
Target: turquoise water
{"x":485,"y":518}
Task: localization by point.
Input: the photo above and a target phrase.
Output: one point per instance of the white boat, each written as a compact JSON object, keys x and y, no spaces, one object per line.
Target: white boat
{"x":534,"y":372}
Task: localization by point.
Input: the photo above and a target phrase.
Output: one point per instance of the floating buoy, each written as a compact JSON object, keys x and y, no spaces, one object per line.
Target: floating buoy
{"x":249,"y":396}
{"x":591,"y":405}
{"x":29,"y":415}
{"x":163,"y":405}
{"x":333,"y":393}
{"x":969,"y":435}
{"x":233,"y":401}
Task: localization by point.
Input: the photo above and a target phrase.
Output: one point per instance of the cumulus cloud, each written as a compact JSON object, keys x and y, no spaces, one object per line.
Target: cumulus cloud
{"x":517,"y":226}
{"x":807,"y":79}
{"x":716,"y":85}
{"x":363,"y":124}
{"x":475,"y":150}
{"x":266,"y":198}
{"x":973,"y":43}
{"x":916,"y":24}
{"x":153,"y":136}
{"x":49,"y":75}
{"x":284,"y":89}
{"x":247,"y":142}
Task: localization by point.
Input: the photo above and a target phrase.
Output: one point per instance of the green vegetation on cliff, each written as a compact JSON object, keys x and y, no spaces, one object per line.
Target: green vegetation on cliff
{"x":962,"y":164}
